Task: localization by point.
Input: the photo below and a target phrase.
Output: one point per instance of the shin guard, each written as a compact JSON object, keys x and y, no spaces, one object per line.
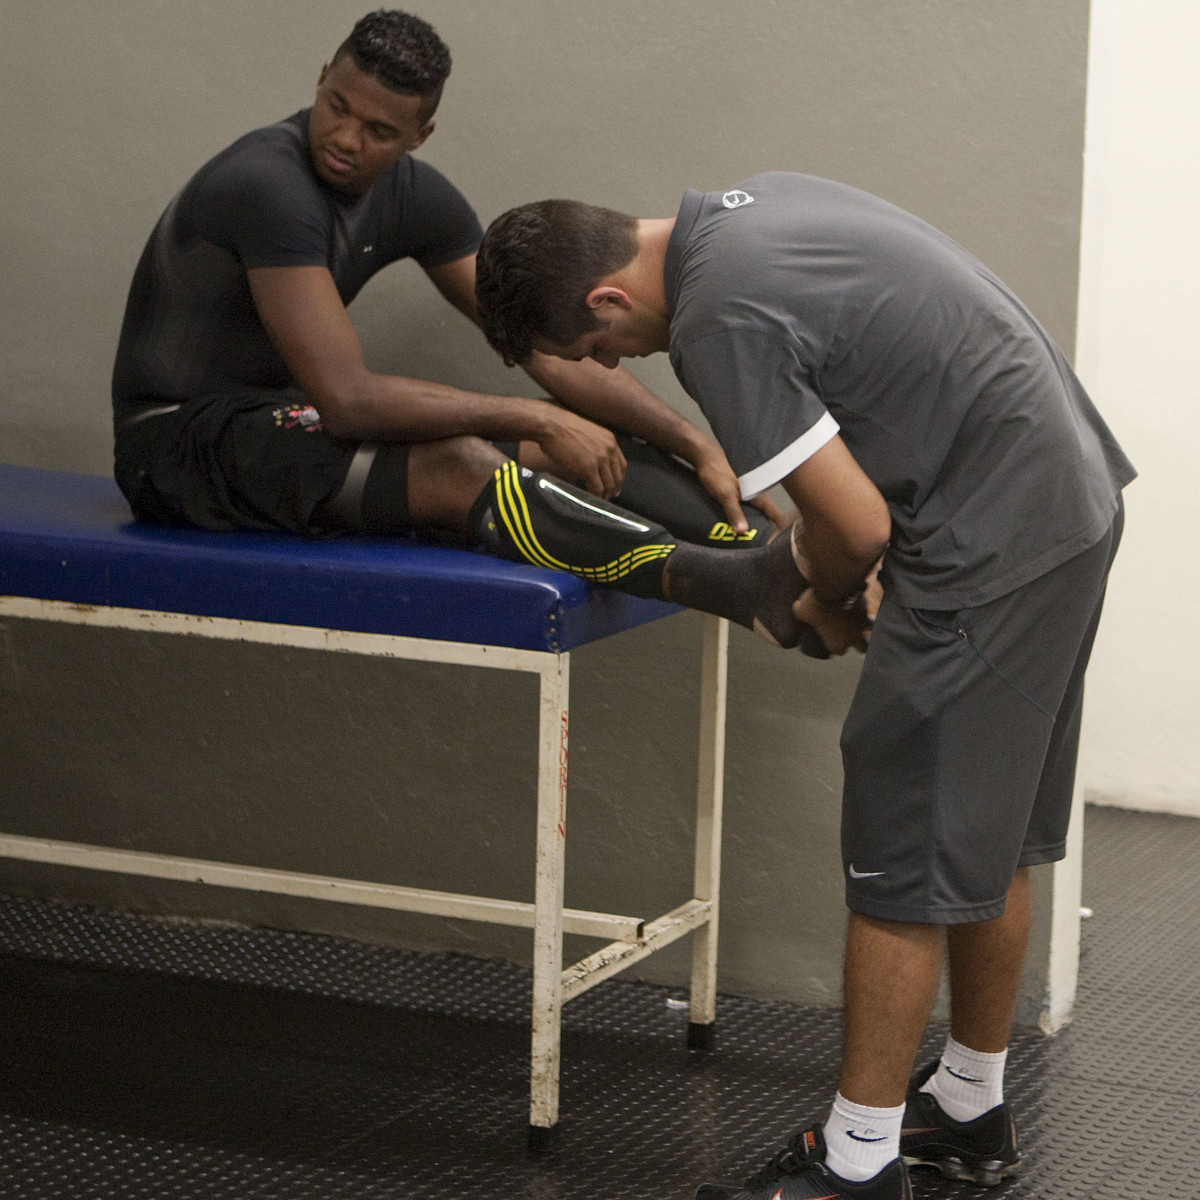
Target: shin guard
{"x":538,"y":519}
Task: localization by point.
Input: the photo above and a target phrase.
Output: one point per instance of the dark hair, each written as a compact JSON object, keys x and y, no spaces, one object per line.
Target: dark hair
{"x":403,"y":52}
{"x":536,"y":266}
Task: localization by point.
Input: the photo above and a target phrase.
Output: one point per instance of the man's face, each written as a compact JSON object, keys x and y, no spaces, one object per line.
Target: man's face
{"x":358,"y":128}
{"x":623,"y":333}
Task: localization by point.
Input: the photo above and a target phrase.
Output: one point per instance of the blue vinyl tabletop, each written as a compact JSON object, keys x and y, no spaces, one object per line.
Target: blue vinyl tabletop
{"x":70,"y":537}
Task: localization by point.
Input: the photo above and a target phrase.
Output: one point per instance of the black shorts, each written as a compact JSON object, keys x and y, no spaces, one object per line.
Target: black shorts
{"x":261,"y":460}
{"x":256,"y":460}
{"x":960,"y":745}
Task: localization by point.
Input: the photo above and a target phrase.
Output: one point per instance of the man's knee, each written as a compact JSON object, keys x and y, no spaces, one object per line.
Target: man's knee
{"x":445,"y":478}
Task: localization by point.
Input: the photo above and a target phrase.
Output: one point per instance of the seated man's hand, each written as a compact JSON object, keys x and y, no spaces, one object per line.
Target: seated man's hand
{"x":586,"y":454}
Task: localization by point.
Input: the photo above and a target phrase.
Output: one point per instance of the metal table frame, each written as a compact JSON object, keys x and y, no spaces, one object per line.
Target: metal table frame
{"x":629,"y":938}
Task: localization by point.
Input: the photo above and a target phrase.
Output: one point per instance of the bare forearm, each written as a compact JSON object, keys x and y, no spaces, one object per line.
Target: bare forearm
{"x":391,"y":408}
{"x":394,"y":408}
{"x":616,"y":399}
{"x":846,"y":523}
{"x":836,"y":568}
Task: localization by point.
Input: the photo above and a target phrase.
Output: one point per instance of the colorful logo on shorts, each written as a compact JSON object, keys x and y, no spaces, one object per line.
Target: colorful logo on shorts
{"x":299,"y":416}
{"x":722,"y":531}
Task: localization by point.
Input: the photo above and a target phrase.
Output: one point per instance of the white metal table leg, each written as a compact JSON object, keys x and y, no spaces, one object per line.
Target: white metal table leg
{"x":548,"y":902}
{"x":710,"y":793}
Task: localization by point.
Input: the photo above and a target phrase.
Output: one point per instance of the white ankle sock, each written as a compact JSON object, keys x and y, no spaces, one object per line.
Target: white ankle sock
{"x":861,"y":1140}
{"x":967,"y":1082}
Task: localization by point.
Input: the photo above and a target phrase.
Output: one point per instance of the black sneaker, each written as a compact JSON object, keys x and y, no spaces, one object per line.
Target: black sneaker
{"x":983,"y":1151}
{"x":799,"y":1173}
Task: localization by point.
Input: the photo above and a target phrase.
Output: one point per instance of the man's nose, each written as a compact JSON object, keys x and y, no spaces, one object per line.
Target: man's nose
{"x":347,"y":136}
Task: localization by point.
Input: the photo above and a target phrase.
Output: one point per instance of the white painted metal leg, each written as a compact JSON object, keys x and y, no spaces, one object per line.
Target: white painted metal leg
{"x":548,"y":900}
{"x":1062,"y":973}
{"x":710,"y":792}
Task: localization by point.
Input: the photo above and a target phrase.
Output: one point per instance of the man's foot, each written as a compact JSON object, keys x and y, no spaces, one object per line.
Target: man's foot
{"x":756,"y":588}
{"x":799,"y":1173}
{"x":983,"y":1151}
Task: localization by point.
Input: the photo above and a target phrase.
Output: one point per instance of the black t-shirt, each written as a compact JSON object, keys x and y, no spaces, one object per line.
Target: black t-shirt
{"x":191,"y":328}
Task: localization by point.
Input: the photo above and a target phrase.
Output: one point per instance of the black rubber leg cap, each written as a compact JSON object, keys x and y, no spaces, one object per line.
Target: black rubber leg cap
{"x":543,"y":1139}
{"x":701,"y":1037}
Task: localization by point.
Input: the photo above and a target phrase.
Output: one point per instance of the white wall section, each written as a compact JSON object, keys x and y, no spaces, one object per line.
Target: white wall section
{"x":1139,"y":312}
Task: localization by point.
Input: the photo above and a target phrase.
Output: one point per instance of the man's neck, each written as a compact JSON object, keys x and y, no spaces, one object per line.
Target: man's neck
{"x":643,"y":277}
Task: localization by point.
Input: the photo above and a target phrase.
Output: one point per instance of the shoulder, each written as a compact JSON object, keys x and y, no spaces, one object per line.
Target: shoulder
{"x":425,"y":185}
{"x":266,"y":166}
{"x":428,"y":218}
{"x":260,"y":199}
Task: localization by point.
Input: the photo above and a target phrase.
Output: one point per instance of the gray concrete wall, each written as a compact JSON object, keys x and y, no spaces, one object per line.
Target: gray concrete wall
{"x":971,"y":115}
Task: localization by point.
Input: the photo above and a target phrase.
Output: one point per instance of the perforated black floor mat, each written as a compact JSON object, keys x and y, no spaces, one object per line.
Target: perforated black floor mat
{"x":151,"y":1059}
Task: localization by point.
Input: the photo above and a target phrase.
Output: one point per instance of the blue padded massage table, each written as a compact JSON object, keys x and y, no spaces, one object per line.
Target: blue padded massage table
{"x":70,"y":552}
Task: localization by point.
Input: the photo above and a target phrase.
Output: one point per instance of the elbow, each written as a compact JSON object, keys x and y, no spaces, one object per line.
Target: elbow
{"x":869,"y":538}
{"x":341,"y":409}
{"x":335,"y":424}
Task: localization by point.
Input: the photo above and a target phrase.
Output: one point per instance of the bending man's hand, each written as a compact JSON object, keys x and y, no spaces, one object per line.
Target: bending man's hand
{"x":773,"y":512}
{"x":718,"y":480}
{"x":841,"y":629}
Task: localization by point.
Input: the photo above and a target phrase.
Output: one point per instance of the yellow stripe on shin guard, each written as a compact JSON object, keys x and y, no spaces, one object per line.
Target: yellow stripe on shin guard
{"x":513,"y":511}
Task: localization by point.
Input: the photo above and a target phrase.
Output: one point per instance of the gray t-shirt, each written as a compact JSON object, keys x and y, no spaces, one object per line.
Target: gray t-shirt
{"x":801,"y":308}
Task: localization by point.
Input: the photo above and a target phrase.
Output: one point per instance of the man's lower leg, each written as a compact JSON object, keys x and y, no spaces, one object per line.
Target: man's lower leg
{"x":957,"y":1120}
{"x":536,"y":518}
{"x":891,"y":978}
{"x":986,"y":959}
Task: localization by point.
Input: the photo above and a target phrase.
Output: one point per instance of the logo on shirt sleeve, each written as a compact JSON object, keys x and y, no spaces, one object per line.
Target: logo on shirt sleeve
{"x":737,"y":199}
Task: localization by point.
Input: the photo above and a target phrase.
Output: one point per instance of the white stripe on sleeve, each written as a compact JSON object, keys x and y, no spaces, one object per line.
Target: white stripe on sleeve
{"x":788,"y":459}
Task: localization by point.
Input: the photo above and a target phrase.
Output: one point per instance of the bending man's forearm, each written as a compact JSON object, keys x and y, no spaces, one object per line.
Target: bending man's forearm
{"x":836,"y":567}
{"x":846,"y":522}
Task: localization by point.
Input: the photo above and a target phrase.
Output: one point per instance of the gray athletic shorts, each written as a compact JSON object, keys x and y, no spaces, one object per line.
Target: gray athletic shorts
{"x":960,"y":745}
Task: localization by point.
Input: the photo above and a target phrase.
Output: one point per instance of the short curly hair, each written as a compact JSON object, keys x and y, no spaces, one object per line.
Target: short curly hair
{"x":403,"y":52}
{"x":536,"y":266}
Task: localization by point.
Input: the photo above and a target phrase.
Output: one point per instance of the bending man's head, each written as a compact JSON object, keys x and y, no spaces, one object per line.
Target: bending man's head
{"x":403,"y":52}
{"x":537,"y":266}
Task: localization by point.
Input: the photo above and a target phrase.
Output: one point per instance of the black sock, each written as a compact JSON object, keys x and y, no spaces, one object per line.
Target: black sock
{"x":756,"y":588}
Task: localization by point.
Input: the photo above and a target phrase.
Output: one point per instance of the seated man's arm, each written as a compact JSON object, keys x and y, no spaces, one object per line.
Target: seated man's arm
{"x":614,"y":398}
{"x":844,"y":529}
{"x":309,"y":326}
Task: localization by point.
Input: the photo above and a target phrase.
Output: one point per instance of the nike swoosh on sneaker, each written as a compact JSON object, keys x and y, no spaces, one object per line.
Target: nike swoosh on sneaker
{"x":859,"y":1138}
{"x":964,"y":1078}
{"x":863,"y":874}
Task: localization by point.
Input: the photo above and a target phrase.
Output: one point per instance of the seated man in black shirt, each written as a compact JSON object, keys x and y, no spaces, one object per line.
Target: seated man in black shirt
{"x":241,"y":398}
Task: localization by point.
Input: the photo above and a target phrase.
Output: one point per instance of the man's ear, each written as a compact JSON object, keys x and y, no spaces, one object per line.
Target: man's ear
{"x":604,"y":294}
{"x":324,"y":72}
{"x":423,"y":135}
